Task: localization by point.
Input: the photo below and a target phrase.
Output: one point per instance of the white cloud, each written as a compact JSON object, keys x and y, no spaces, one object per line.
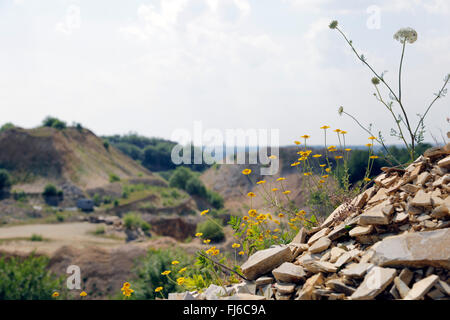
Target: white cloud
{"x":71,"y":21}
{"x":18,"y":2}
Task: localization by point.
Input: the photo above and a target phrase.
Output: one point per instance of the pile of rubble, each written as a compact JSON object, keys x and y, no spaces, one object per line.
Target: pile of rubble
{"x":391,"y":242}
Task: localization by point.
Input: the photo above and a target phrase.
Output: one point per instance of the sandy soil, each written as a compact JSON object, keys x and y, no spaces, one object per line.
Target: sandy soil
{"x":78,"y":234}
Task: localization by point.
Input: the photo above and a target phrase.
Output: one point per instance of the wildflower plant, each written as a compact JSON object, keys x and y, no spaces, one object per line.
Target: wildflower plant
{"x":410,"y":135}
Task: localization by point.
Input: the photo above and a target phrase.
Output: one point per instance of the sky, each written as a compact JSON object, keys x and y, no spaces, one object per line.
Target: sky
{"x":158,"y":66}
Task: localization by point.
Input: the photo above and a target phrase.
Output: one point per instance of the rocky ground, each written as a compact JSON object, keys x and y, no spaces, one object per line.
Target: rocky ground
{"x":391,"y":242}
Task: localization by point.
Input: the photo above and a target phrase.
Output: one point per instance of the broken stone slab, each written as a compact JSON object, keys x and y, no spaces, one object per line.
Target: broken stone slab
{"x":410,"y":188}
{"x":357,"y":270}
{"x":335,"y":253}
{"x":318,"y":235}
{"x":421,"y":199}
{"x":435,"y":294}
{"x":266,"y":291}
{"x":423,"y":177}
{"x":376,"y":280}
{"x":443,"y":286}
{"x":401,"y":287}
{"x":319,"y":266}
{"x":420,"y":288}
{"x":374,"y":215}
{"x":401,"y":217}
{"x":214,"y":292}
{"x":329,"y":220}
{"x":338,"y":286}
{"x":320,"y":245}
{"x":360,"y":200}
{"x":289,"y":272}
{"x":300,"y":237}
{"x":444,"y":163}
{"x":307,"y":257}
{"x":264,"y":261}
{"x":381,"y":195}
{"x":338,"y":231}
{"x":285,"y":288}
{"x":406,"y":276}
{"x":306,"y":292}
{"x":264,"y":280}
{"x":418,"y":249}
{"x":360,"y":231}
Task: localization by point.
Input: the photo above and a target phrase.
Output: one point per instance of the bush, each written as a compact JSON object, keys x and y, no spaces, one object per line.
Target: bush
{"x":215,"y":199}
{"x":54,"y":123}
{"x":19,"y":195}
{"x":7,"y":126}
{"x":50,"y":190}
{"x":27,"y":279}
{"x":5,"y":179}
{"x":150,"y":269}
{"x":211,"y":230}
{"x":36,"y":237}
{"x":113,"y":178}
{"x":179,"y":178}
{"x":106,"y":145}
{"x":194,"y":186}
{"x":134,"y":220}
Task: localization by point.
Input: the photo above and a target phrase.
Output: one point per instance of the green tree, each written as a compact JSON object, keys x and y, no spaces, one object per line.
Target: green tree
{"x":5,"y":179}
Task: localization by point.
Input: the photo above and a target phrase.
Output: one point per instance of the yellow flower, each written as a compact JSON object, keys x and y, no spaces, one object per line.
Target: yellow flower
{"x":295,"y":164}
{"x":252,"y":213}
{"x":325,"y":127}
{"x":204,"y":212}
{"x":276,"y":221}
{"x":55,"y":294}
{"x":373,"y":157}
{"x":337,"y":130}
{"x":165,"y":273}
{"x":198,"y":234}
{"x":182,"y":270}
{"x":275,"y":189}
{"x":367,"y":179}
{"x":83,"y":294}
{"x":215,"y":252}
{"x":369,"y":145}
{"x":206,"y":241}
{"x":245,"y":218}
{"x":372,"y":138}
{"x":297,"y":142}
{"x":305,"y":136}
{"x":317,"y":156}
{"x":180,"y":281}
{"x":331,"y":147}
{"x":274,"y":237}
{"x":287,"y":192}
{"x":246,"y":171}
{"x":333,"y":150}
{"x":273,"y":157}
{"x":281,"y":179}
{"x":241,"y":253}
{"x":281,"y":215}
{"x":276,"y":230}
{"x":175,"y":262}
{"x":348,"y":149}
{"x":251,"y":194}
{"x":325,"y":176}
{"x":322,"y":165}
{"x":307,"y":173}
{"x":343,"y":132}
{"x":235,"y":245}
{"x":158,"y":289}
{"x":321,"y":181}
{"x":127,"y":284}
{"x":338,"y":157}
{"x":261,"y":182}
{"x":328,"y":169}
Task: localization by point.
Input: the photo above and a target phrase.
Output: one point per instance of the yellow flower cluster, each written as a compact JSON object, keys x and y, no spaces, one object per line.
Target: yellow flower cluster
{"x":126,"y":290}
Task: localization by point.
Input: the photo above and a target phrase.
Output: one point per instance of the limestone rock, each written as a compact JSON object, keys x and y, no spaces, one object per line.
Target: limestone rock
{"x":320,"y":245}
{"x":318,"y":235}
{"x":357,"y":270}
{"x":420,"y":288}
{"x":421,"y":199}
{"x":360,"y":231}
{"x":339,"y":286}
{"x":374,"y":283}
{"x":265,"y":261}
{"x":428,"y":248}
{"x":374,"y":215}
{"x":444,"y":163}
{"x":289,"y":272}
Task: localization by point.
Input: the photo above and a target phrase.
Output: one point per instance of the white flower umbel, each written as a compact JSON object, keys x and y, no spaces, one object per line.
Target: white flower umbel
{"x":408,"y":34}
